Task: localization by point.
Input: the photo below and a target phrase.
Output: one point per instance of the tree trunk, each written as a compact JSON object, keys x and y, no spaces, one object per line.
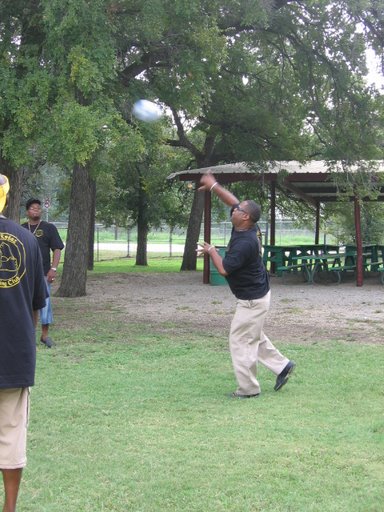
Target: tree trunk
{"x":91,"y":235}
{"x":142,"y":236}
{"x":142,"y":227}
{"x":15,"y":177}
{"x":193,"y":232}
{"x":73,"y":282}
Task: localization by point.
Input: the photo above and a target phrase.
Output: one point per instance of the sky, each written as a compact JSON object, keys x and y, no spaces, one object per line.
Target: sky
{"x":374,"y":76}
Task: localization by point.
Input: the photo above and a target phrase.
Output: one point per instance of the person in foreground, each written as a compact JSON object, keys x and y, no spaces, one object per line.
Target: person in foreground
{"x":248,"y":280}
{"x":22,"y":294}
{"x":49,"y":240}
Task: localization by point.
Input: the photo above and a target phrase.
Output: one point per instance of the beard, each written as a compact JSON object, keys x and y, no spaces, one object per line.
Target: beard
{"x":34,"y":218}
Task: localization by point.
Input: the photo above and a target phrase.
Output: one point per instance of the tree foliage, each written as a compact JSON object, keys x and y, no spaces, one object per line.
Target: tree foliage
{"x":243,"y":80}
{"x":339,"y":222}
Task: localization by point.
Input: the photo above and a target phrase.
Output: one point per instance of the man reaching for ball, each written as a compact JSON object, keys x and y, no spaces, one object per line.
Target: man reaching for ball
{"x":248,"y":280}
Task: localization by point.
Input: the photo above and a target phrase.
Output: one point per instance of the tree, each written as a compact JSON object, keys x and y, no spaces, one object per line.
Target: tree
{"x":341,"y":223}
{"x":138,"y":189}
{"x":24,"y":86}
{"x":248,"y":80}
{"x":291,"y":88}
{"x":81,"y":43}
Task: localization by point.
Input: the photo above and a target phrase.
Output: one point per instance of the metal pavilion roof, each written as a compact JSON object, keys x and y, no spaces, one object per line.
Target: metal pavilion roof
{"x":313,"y":182}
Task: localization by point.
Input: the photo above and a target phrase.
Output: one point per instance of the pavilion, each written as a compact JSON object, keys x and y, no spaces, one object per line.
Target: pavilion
{"x":313,"y":182}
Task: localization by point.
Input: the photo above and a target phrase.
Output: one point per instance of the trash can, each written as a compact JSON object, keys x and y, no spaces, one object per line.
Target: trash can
{"x":215,"y":278}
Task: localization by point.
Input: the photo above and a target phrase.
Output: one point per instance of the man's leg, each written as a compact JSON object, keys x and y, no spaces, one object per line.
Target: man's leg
{"x":246,"y":329}
{"x":46,"y":318}
{"x":267,"y":353}
{"x":45,"y":339}
{"x":249,"y":345}
{"x":44,"y":331}
{"x":270,"y":357}
{"x":14,"y":411}
{"x":11,"y":479}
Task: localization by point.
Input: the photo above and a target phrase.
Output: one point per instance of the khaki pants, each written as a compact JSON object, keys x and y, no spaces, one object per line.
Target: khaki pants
{"x":14,"y":412}
{"x":249,"y":345}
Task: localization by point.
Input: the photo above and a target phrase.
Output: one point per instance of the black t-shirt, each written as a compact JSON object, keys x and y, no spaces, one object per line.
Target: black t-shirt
{"x":49,"y":240}
{"x":22,"y":290}
{"x":247,"y":275}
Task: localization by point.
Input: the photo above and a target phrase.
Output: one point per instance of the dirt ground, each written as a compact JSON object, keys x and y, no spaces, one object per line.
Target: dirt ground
{"x":300,"y":313}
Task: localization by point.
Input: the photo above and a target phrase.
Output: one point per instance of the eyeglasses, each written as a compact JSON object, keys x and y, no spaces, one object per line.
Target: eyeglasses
{"x":35,"y":208}
{"x":238,"y":209}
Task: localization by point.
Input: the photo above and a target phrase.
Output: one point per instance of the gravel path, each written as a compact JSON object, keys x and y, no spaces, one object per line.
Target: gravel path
{"x":300,"y":313}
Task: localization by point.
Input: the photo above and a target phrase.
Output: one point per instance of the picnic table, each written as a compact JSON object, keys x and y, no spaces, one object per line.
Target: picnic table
{"x":312,"y":260}
{"x":322,"y":260}
{"x":373,"y":258}
{"x":313,"y":263}
{"x":281,"y":256}
{"x":370,"y":256}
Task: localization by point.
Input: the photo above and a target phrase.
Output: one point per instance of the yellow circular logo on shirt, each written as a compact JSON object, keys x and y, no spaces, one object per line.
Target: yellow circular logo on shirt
{"x":12,"y":260}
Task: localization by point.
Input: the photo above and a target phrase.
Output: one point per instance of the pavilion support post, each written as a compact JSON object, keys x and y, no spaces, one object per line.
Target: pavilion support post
{"x":273,"y":213}
{"x":273,"y":221}
{"x":207,"y":234}
{"x":317,"y":227}
{"x":359,"y":244}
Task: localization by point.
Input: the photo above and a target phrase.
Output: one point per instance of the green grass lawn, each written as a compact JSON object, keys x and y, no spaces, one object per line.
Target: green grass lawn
{"x":155,"y":264}
{"x":125,"y":418}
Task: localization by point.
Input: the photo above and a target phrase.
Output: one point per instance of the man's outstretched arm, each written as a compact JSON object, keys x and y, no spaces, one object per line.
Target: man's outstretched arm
{"x":209,"y":182}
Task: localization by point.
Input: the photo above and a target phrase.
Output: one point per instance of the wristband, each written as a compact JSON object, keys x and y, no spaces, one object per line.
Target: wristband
{"x":54,"y":269}
{"x":213,"y":186}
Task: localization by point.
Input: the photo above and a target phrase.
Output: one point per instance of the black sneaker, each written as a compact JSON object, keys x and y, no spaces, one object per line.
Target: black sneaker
{"x":235,"y":394}
{"x":47,"y":342}
{"x":283,"y":377}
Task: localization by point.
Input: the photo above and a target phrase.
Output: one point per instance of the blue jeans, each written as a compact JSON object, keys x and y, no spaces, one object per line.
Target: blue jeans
{"x":46,"y":314}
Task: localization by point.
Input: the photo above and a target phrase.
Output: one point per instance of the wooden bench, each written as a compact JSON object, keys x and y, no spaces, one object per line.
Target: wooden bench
{"x":381,"y":270}
{"x":302,"y":266}
{"x":339,"y":269}
{"x":379,"y":267}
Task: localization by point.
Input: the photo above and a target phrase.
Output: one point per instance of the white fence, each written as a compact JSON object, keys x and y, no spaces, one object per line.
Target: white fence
{"x":123,"y":242}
